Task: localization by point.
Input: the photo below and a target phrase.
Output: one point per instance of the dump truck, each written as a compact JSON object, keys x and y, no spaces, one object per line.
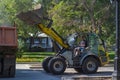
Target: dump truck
{"x":87,"y":62}
{"x":8,"y":48}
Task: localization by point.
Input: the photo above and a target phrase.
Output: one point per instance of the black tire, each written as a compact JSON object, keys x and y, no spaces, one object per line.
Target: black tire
{"x":12,"y":71}
{"x":57,"y":66}
{"x":45,"y":64}
{"x":90,"y":65}
{"x":79,"y":70}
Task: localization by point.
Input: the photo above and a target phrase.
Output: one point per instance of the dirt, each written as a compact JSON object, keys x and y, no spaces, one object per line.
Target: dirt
{"x":31,"y":17}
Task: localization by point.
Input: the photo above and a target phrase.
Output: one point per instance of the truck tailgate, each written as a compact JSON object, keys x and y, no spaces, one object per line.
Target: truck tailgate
{"x":8,"y":37}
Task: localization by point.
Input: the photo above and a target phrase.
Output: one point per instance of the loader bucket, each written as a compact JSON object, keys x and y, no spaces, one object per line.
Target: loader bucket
{"x":31,"y":17}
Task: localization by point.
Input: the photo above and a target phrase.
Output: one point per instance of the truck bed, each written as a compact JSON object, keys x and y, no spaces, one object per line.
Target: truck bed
{"x":8,"y":37}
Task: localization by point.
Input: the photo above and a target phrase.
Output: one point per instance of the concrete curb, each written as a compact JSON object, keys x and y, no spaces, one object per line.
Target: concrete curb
{"x":87,"y":78}
{"x":40,"y":64}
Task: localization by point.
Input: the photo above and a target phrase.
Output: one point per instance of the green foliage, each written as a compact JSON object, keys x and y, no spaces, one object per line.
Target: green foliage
{"x":83,"y":15}
{"x":66,"y":19}
{"x":111,"y":56}
{"x":6,"y":12}
{"x":21,"y":47}
{"x":68,"y":16}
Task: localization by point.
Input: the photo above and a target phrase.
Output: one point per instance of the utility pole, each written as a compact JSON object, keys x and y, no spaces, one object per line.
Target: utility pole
{"x":116,"y":73}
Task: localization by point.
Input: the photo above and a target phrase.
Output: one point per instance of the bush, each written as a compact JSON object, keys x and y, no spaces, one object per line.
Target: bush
{"x":111,"y":55}
{"x":21,"y":47}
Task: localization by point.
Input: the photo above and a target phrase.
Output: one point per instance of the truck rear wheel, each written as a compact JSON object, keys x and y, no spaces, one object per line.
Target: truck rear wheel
{"x":90,"y":65}
{"x":45,"y":64}
{"x":12,"y":71}
{"x":57,"y":65}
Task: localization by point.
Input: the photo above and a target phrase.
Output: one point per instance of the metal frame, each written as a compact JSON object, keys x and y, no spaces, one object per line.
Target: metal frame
{"x":116,"y":73}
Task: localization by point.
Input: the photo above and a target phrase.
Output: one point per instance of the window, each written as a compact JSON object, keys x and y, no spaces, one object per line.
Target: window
{"x":44,"y":42}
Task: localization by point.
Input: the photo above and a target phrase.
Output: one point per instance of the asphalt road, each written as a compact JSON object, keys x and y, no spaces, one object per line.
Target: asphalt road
{"x":35,"y":72}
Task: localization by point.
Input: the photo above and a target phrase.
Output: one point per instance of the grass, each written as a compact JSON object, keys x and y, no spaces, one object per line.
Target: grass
{"x":39,"y":56}
{"x":36,"y":53}
{"x":28,"y":60}
{"x":33,"y":56}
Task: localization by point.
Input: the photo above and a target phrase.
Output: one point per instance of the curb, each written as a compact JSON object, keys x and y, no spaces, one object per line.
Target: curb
{"x":87,"y":78}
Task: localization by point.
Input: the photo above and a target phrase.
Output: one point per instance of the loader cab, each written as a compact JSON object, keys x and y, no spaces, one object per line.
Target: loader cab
{"x":96,"y":48}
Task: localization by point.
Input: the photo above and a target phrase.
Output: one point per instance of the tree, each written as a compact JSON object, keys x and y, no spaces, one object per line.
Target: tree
{"x":100,"y":16}
{"x":68,"y":16}
{"x":82,"y":15}
{"x":8,"y":11}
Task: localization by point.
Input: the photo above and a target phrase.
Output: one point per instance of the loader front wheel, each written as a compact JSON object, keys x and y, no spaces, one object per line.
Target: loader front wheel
{"x":90,"y":65}
{"x":57,"y":65}
{"x":45,"y":64}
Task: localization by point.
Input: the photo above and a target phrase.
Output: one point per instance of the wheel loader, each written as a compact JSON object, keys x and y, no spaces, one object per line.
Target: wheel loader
{"x":93,"y":56}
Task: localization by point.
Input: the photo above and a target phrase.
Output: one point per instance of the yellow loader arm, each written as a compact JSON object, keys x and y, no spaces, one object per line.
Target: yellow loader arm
{"x":50,"y":32}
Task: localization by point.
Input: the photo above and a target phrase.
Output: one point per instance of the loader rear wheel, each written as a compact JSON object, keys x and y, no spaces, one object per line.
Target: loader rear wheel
{"x":45,"y":64}
{"x":57,"y":65}
{"x":90,"y":65}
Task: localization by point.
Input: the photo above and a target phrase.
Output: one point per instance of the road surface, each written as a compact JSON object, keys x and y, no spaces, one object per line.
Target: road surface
{"x":35,"y":72}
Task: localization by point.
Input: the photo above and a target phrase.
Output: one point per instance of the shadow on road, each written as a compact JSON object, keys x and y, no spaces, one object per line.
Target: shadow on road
{"x":40,"y":74}
{"x":27,"y":74}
